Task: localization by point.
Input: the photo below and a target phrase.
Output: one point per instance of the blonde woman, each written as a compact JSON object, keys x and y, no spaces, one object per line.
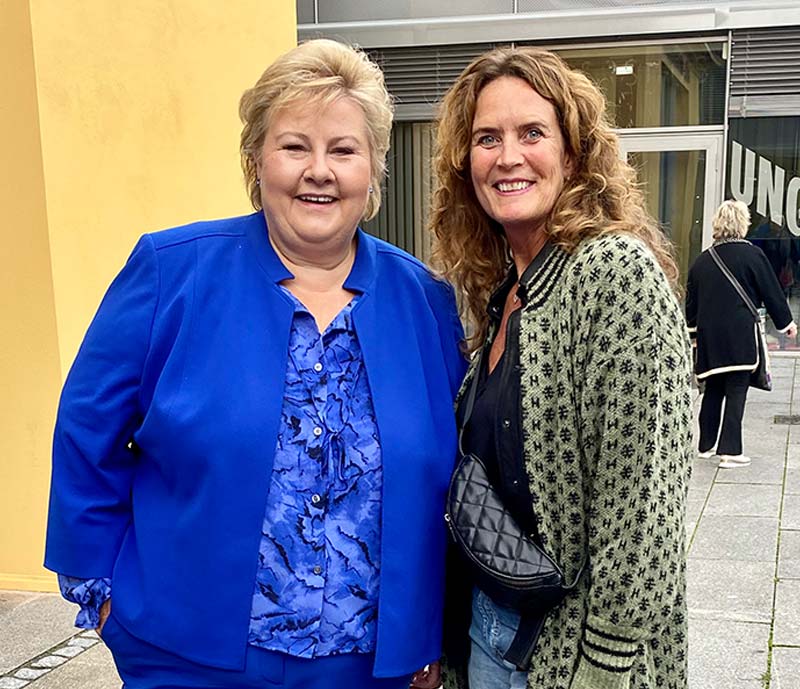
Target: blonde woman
{"x":722,"y":325}
{"x":254,"y":442}
{"x":583,"y":412}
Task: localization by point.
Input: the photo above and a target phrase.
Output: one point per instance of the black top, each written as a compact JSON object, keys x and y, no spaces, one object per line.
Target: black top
{"x":716,"y":314}
{"x":494,"y":430}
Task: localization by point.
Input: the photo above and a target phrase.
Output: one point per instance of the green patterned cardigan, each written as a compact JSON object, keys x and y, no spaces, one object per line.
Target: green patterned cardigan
{"x":606,"y":420}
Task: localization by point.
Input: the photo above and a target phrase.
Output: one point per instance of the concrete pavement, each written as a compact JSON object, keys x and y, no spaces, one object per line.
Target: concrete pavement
{"x":744,"y":574}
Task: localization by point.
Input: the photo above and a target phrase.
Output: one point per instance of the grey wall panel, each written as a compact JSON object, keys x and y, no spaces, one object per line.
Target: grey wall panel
{"x":305,"y":11}
{"x":422,"y":75}
{"x":359,"y":10}
{"x":562,"y":5}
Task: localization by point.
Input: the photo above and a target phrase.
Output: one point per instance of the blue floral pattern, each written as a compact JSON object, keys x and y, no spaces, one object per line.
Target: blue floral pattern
{"x":319,"y":558}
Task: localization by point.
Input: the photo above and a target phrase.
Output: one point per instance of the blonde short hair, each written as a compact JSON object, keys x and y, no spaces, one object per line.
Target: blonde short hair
{"x":731,"y":220}
{"x":316,"y":73}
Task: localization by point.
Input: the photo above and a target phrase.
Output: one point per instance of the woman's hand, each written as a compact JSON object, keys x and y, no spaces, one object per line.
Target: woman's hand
{"x":429,"y":677}
{"x":791,"y":331}
{"x":105,"y":611}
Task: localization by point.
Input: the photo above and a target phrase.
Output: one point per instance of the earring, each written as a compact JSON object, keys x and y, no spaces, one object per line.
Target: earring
{"x":370,"y":189}
{"x":258,"y":181}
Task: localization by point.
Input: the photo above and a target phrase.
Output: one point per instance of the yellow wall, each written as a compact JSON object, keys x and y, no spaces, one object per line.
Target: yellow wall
{"x":29,"y":368}
{"x":124,"y":121}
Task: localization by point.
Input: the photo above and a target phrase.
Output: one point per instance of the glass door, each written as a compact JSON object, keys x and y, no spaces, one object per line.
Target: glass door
{"x":681,"y":172}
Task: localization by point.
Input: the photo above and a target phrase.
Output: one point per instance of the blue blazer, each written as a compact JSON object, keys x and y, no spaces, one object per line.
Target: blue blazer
{"x":168,"y":422}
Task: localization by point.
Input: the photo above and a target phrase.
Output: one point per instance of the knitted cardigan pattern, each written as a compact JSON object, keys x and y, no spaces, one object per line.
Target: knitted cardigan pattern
{"x":607,"y":423}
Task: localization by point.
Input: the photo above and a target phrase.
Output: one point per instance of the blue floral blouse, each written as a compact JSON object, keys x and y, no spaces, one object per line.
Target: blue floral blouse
{"x":316,"y":588}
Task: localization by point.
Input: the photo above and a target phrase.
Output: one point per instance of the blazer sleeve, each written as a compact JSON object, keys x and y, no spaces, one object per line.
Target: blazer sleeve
{"x":771,"y":293}
{"x":93,"y":456}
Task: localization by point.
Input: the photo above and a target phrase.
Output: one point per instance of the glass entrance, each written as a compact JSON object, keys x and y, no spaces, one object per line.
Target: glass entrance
{"x":681,"y":175}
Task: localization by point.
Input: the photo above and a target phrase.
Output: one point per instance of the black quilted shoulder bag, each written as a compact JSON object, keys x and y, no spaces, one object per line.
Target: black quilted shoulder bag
{"x":507,"y":564}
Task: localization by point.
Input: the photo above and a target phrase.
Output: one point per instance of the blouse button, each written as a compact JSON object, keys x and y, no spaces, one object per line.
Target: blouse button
{"x":317,"y":569}
{"x":315,"y":498}
{"x":318,"y":367}
{"x":317,"y":431}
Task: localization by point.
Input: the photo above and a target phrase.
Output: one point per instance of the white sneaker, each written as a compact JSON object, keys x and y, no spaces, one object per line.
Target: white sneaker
{"x":708,"y":454}
{"x":733,"y":461}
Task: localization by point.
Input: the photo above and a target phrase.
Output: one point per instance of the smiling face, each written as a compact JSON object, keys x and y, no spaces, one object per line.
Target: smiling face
{"x":315,"y":176}
{"x":518,"y":159}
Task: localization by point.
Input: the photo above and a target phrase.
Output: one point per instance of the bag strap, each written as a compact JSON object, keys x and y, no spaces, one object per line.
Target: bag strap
{"x":736,"y":284}
{"x":469,"y":401}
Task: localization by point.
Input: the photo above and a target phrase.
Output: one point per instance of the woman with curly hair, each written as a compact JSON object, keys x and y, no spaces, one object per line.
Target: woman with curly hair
{"x":583,"y":410}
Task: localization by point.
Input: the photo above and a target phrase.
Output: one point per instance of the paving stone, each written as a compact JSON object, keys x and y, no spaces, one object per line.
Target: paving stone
{"x":759,"y":416}
{"x":12,"y":683}
{"x":766,"y":468}
{"x":31,"y":672}
{"x":790,"y":517}
{"x":751,"y":539}
{"x":789,"y":559}
{"x":791,"y":484}
{"x":730,"y":590}
{"x":82,"y":641}
{"x":695,"y":501}
{"x":703,"y":472}
{"x":90,"y":634}
{"x":726,"y":654}
{"x":49,"y":661}
{"x":786,"y":629}
{"x":785,"y":668}
{"x":743,"y":500}
{"x":93,"y":669}
{"x":68,"y":651}
{"x":30,"y":623}
{"x":794,"y":431}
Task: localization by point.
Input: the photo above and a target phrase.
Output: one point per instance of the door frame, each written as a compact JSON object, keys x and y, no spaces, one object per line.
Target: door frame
{"x":708,"y":139}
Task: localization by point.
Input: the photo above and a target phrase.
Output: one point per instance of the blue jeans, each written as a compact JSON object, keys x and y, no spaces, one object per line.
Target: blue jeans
{"x":492,"y":631}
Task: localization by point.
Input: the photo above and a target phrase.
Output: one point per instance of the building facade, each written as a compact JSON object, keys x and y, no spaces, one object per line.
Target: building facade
{"x":705,"y":97}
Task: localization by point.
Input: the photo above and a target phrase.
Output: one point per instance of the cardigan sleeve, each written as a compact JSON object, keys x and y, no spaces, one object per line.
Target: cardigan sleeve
{"x":94,"y":459}
{"x":639,"y":409}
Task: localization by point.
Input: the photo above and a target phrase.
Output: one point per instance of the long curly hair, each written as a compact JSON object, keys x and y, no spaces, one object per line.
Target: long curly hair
{"x":601,"y":196}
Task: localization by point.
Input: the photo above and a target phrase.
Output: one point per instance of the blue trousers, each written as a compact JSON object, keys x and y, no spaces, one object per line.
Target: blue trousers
{"x":143,"y":666}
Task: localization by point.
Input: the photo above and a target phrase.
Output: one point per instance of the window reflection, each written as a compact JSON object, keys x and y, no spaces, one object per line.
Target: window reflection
{"x":681,"y":84}
{"x":673,"y":183}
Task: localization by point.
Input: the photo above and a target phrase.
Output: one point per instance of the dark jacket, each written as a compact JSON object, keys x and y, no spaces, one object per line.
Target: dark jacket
{"x":718,"y":318}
